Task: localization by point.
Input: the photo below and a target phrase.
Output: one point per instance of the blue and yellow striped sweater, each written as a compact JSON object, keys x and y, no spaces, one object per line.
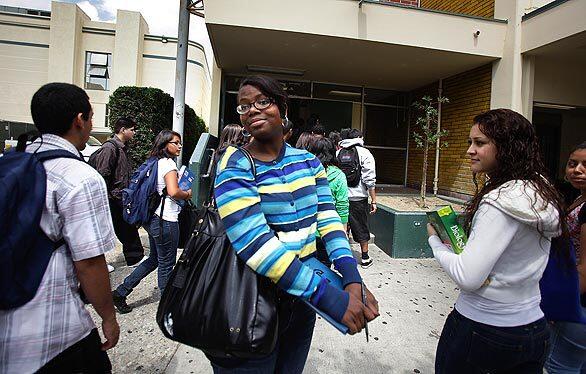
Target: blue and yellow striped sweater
{"x":271,"y":220}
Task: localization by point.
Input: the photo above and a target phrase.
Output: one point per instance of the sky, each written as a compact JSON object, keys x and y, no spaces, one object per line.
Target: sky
{"x":162,"y":19}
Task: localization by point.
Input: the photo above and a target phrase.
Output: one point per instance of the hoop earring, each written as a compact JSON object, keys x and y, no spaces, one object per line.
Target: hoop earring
{"x":245,"y":133}
{"x":285,"y":120}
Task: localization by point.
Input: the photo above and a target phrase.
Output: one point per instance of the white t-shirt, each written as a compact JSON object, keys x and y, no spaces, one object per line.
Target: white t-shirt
{"x":171,"y":209}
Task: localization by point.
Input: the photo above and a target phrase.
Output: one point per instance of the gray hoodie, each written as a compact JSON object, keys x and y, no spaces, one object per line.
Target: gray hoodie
{"x":368,"y":173}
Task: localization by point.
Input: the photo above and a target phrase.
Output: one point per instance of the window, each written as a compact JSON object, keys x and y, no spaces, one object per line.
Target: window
{"x":107,"y":116}
{"x":97,"y":70}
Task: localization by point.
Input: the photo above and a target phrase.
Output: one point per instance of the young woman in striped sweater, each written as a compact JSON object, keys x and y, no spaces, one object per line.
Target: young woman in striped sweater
{"x":271,"y":219}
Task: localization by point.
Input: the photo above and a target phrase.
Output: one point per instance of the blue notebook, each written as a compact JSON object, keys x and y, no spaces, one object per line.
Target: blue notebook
{"x":186,"y":179}
{"x":335,"y":280}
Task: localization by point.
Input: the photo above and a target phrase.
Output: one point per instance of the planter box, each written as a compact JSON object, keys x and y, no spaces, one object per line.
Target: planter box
{"x":400,"y":234}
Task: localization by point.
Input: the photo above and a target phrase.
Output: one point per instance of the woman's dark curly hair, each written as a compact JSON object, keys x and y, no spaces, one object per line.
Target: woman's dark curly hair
{"x":518,"y":158}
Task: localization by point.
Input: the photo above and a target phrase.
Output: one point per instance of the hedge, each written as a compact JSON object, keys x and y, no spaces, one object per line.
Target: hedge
{"x":152,"y":109}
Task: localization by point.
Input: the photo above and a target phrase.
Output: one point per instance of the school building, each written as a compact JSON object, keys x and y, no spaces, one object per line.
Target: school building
{"x":65,"y":45}
{"x":362,"y":63}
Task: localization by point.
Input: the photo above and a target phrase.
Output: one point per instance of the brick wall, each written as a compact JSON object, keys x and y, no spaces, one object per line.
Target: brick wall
{"x":480,"y":8}
{"x":469,"y":95}
{"x":402,"y":2}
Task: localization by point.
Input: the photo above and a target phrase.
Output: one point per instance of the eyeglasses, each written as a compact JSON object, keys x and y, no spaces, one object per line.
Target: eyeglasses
{"x":260,"y":104}
{"x":178,"y":144}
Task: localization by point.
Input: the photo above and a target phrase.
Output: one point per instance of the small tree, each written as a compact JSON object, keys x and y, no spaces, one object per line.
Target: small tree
{"x":429,"y":135}
{"x":152,"y":109}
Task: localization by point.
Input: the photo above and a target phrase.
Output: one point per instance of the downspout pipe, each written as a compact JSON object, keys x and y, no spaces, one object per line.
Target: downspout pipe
{"x":437,"y":142}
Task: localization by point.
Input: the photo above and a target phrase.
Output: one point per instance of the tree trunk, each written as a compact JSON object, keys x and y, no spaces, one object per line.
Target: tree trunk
{"x":424,"y":174}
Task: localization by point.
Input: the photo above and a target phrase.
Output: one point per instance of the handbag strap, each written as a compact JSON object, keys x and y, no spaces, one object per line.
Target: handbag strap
{"x":210,"y":196}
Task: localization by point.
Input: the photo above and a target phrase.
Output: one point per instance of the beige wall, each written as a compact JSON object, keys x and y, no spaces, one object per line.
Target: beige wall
{"x":23,"y":67}
{"x":42,"y":49}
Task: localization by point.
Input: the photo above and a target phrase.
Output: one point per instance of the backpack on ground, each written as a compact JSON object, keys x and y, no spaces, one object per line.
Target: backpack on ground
{"x":350,"y":164}
{"x":141,"y":198}
{"x":25,"y":250}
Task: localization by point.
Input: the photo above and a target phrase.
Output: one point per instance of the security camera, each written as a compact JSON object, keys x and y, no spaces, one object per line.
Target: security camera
{"x":476,"y":33}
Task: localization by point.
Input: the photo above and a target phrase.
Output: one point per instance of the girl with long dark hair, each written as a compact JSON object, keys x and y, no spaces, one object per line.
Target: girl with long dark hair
{"x":497,"y":325}
{"x":568,"y":342}
{"x":271,"y":217}
{"x":163,"y":229}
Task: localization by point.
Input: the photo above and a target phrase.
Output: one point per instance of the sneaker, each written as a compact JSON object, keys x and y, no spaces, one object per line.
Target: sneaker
{"x":120,"y":303}
{"x":110,"y":268}
{"x":139,"y":262}
{"x":366,"y":262}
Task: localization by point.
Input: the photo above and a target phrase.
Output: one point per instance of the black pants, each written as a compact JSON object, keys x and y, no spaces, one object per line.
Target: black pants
{"x":127,"y":234}
{"x":470,"y":347}
{"x":358,"y":220}
{"x":85,"y":356}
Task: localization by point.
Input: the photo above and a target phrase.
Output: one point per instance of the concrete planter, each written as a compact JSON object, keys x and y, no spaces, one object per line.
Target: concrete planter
{"x":400,"y":234}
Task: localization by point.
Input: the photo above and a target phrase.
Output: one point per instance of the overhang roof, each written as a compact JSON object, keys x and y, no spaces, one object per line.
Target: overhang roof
{"x":337,"y":41}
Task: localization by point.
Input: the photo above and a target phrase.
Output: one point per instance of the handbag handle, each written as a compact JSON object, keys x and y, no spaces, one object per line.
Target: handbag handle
{"x":212,"y":173}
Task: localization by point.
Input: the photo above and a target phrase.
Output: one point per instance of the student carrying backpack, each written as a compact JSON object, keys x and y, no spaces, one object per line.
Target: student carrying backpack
{"x":50,"y":195}
{"x":25,"y":250}
{"x":350,"y":165}
{"x":152,"y":201}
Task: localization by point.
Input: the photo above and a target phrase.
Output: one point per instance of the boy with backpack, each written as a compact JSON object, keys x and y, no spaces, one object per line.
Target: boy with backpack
{"x":112,"y":162}
{"x":358,"y":165}
{"x":55,"y":226}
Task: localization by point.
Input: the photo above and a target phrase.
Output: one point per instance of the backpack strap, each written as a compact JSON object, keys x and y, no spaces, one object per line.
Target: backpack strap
{"x":210,"y":196}
{"x":56,"y":153}
{"x":50,"y":155}
{"x":113,"y":142}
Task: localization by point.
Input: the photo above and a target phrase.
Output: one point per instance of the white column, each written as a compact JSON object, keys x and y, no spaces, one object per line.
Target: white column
{"x":507,"y":73}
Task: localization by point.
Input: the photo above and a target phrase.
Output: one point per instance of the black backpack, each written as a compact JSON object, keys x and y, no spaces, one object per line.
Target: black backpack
{"x":350,"y":165}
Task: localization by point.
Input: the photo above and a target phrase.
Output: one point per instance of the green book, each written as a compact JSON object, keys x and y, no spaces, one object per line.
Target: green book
{"x":445,"y":222}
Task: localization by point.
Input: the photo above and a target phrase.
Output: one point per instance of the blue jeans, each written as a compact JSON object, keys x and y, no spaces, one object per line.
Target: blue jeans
{"x":296,"y":323}
{"x":568,"y":348}
{"x":466,"y":346}
{"x":162,"y":255}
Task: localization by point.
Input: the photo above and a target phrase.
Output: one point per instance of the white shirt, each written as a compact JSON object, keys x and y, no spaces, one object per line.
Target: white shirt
{"x":499,"y":269}
{"x":171,"y":209}
{"x":76,"y":209}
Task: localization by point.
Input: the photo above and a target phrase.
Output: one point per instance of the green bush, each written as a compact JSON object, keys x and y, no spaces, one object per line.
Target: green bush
{"x":152,"y":109}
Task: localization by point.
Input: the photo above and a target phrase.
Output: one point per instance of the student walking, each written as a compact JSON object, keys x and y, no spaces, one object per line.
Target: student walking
{"x":112,"y":162}
{"x":53,"y":332}
{"x":359,"y":166}
{"x":568,"y":340}
{"x":497,"y":325}
{"x":271,"y":218}
{"x":163,"y":229}
{"x":324,"y":149}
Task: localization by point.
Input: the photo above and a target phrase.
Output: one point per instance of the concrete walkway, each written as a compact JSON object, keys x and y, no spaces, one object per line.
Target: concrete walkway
{"x":415,"y":297}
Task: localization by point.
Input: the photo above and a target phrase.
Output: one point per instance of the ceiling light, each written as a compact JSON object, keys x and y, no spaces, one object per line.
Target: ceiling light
{"x":554,"y":106}
{"x":275,"y":70}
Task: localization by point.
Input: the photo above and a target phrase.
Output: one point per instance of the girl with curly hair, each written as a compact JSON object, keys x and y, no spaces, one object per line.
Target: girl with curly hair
{"x":497,"y":325}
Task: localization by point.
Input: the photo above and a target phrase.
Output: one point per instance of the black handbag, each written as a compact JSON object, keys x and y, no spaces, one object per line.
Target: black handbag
{"x":213,"y":301}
